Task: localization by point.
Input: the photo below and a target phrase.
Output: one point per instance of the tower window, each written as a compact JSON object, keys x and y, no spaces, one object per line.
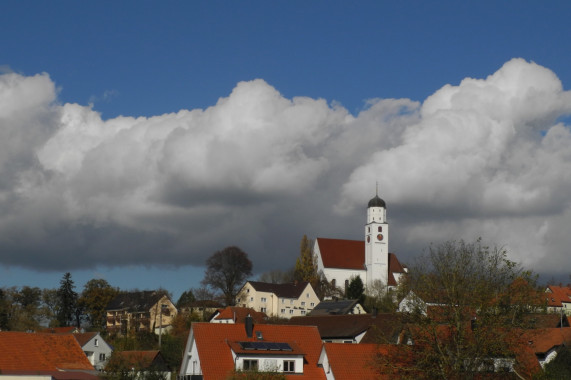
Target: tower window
{"x":380,"y":229}
{"x":368,"y":229}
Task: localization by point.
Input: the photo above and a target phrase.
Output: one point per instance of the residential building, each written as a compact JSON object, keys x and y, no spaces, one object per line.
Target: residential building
{"x":151,"y":311}
{"x":278,"y":300}
{"x":143,"y":364}
{"x":359,"y":328}
{"x":59,"y":356}
{"x":215,"y":351}
{"x":547,"y":342}
{"x":97,"y":350}
{"x":236,"y":314}
{"x":338,"y":307}
{"x":342,"y":260}
{"x":351,"y":361}
{"x":558,"y":299}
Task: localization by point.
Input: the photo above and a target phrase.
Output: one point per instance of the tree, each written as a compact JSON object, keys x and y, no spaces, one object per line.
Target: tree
{"x":278,"y":276}
{"x":50,"y":306}
{"x":475,"y":317}
{"x":23,"y":308}
{"x":94,"y":300}
{"x":378,"y":298}
{"x":226,"y":271}
{"x":4,"y":310}
{"x":67,"y":301}
{"x":356,"y":290}
{"x":186,"y":299}
{"x":306,"y":265}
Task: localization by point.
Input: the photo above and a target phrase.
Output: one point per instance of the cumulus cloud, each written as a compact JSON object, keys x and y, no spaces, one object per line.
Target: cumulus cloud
{"x":487,"y":157}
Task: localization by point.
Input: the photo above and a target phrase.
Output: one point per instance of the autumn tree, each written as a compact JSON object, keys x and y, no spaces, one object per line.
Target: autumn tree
{"x":96,"y":295}
{"x":67,"y":301}
{"x":226,"y":271}
{"x":473,"y":320}
{"x":306,"y":263}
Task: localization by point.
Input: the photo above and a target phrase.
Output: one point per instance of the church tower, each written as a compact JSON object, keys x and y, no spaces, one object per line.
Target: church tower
{"x":377,"y":242}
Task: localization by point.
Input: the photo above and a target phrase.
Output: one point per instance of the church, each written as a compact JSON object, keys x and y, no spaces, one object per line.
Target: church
{"x":341,"y":260}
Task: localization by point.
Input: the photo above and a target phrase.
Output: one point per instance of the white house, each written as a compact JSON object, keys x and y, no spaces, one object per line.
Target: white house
{"x":341,"y":260}
{"x":278,"y":300}
{"x":215,"y":351}
{"x":95,"y":347}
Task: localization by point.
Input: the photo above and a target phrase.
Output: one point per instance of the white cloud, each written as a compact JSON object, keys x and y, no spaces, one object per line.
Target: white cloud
{"x":484,"y":158}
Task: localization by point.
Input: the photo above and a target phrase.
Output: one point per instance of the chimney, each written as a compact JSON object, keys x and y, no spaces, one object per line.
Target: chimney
{"x":249,"y":324}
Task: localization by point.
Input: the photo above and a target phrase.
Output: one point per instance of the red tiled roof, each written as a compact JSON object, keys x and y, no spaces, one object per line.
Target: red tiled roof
{"x":350,"y":254}
{"x":239,"y":314}
{"x":558,"y":295}
{"x":59,"y":330}
{"x":83,"y":338}
{"x":354,"y":361}
{"x":137,"y":359}
{"x":344,"y":254}
{"x":216,"y":357}
{"x":41,"y":352}
{"x":543,"y":340}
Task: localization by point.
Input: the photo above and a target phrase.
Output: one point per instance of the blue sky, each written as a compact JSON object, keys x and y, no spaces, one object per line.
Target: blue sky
{"x":247,"y":163}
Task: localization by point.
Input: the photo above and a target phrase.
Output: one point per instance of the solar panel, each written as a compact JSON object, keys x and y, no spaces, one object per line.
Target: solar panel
{"x":265,"y":346}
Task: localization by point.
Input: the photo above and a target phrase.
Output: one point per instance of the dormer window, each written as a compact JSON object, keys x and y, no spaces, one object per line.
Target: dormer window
{"x":289,"y":365}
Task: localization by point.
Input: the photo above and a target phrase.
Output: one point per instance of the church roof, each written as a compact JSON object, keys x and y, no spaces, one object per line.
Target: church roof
{"x":342,"y":254}
{"x":376,"y":202}
{"x":350,"y":254}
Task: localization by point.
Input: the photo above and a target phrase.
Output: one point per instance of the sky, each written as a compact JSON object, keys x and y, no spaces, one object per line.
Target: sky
{"x":137,"y":138}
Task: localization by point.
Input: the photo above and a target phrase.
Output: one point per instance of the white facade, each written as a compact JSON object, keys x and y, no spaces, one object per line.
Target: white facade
{"x":97,"y":351}
{"x":376,"y":243}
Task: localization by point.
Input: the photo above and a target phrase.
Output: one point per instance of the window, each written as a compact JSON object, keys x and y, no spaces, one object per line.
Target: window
{"x":263,"y":309}
{"x":101,"y":357}
{"x":303,"y":303}
{"x":96,"y":342}
{"x":380,"y":229}
{"x":291,"y":311}
{"x":264,"y":299}
{"x":247,"y":290}
{"x":289,"y":365}
{"x":250,"y":365}
{"x":312,"y":304}
{"x":282,"y":311}
{"x":283,"y":300}
{"x":303,"y":312}
{"x":252,"y":299}
{"x":368,"y":229}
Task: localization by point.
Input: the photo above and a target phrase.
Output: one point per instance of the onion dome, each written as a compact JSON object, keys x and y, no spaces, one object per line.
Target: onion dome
{"x":376,"y":202}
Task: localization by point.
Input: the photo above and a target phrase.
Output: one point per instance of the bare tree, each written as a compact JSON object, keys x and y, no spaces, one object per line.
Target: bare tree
{"x":226,"y":271}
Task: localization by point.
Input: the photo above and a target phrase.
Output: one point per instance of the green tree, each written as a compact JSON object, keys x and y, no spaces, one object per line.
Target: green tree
{"x":4,"y":310}
{"x":186,"y":299}
{"x":24,"y":311}
{"x":96,"y":295}
{"x":226,"y":271}
{"x":67,"y":302}
{"x":356,"y":290}
{"x":472,"y":323}
{"x":50,"y":306}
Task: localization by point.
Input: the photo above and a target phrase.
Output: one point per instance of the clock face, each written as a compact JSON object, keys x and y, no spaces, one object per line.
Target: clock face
{"x":380,"y":237}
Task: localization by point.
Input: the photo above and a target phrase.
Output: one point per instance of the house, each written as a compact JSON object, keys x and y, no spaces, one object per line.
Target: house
{"x":215,"y":351}
{"x":55,"y":355}
{"x":341,"y":260}
{"x":151,"y":311}
{"x":97,"y":350}
{"x":351,"y":361}
{"x":338,"y":307}
{"x":143,"y":364}
{"x":358,"y":328}
{"x":236,"y":314}
{"x":547,"y":342}
{"x":278,"y":300}
{"x":558,"y":299}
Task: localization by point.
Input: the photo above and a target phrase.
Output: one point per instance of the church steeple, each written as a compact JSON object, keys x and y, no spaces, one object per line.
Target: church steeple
{"x":376,"y":241}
